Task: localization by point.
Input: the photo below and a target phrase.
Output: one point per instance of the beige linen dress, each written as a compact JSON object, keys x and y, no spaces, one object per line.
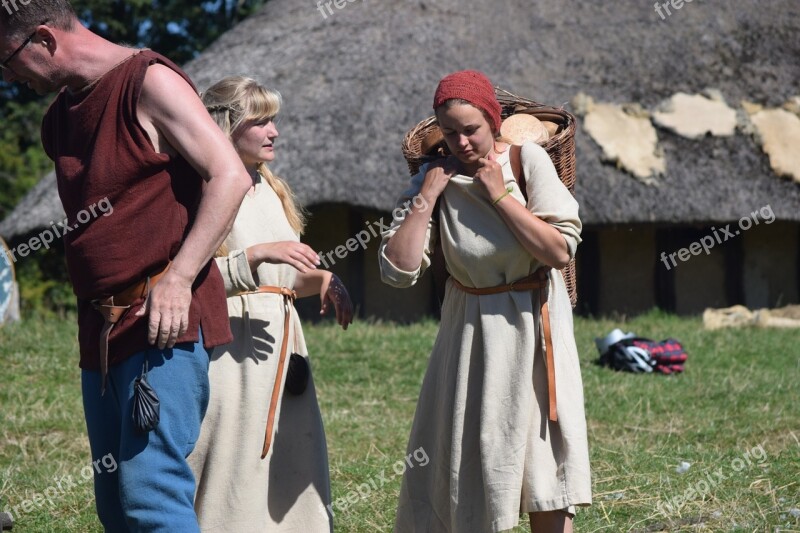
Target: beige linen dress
{"x":482,"y":411}
{"x":237,"y":491}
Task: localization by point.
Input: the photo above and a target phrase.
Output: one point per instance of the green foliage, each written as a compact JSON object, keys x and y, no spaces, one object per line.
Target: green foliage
{"x":176,"y":28}
{"x":179,"y":29}
{"x":22,"y":159}
{"x":44,"y":286}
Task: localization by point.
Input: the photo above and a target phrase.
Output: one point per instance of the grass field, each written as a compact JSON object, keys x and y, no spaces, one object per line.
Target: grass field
{"x":734,"y":416}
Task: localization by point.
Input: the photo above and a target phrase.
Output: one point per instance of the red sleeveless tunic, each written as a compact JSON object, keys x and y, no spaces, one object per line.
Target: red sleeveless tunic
{"x":102,"y":152}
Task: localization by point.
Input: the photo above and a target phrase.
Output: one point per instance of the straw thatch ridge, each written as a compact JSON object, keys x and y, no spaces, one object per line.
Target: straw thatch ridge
{"x":354,"y":82}
{"x":40,"y":208}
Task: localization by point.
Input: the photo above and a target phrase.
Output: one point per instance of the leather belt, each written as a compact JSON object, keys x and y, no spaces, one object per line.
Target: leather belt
{"x":289,"y":296}
{"x":537,"y":280}
{"x":113,"y":308}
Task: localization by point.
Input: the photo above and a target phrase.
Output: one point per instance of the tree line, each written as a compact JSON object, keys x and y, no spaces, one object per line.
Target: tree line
{"x":179,"y":29}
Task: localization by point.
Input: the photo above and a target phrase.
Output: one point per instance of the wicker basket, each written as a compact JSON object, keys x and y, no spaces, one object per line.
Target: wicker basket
{"x":560,"y":148}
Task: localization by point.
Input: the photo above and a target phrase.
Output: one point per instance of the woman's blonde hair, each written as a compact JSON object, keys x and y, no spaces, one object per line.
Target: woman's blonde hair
{"x":236,"y":102}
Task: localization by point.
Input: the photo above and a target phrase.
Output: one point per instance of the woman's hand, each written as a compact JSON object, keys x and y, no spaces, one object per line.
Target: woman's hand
{"x":295,"y":254}
{"x":406,"y":247}
{"x":334,"y":292}
{"x":490,"y":177}
{"x":437,"y":177}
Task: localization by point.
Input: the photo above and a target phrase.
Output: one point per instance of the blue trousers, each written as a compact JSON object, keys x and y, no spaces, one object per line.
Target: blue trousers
{"x":142,"y":482}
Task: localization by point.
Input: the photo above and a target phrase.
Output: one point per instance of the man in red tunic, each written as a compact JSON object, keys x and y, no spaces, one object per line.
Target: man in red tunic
{"x":127,"y":127}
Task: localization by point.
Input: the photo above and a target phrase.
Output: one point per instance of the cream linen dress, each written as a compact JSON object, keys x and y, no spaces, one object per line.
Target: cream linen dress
{"x":237,"y":491}
{"x":482,"y":411}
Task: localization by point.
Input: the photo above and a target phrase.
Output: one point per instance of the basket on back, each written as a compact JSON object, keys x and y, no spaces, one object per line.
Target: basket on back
{"x":418,"y":149}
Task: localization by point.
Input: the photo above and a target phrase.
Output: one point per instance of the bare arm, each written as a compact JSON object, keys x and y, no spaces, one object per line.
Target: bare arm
{"x":170,"y":105}
{"x":296,"y":254}
{"x":331,"y":291}
{"x":309,"y":280}
{"x":406,"y":246}
{"x":540,"y":239}
{"x":310,"y":283}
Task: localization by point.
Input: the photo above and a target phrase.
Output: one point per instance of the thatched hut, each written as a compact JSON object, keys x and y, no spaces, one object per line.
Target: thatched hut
{"x":356,"y":75}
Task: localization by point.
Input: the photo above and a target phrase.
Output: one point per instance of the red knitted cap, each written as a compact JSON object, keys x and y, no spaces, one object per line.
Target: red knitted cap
{"x":475,"y":88}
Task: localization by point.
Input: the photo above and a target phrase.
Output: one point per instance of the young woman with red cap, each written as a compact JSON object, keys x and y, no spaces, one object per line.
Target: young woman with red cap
{"x":499,"y":443}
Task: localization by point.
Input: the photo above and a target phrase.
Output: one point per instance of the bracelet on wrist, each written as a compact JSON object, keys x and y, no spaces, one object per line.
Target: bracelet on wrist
{"x":508,"y":191}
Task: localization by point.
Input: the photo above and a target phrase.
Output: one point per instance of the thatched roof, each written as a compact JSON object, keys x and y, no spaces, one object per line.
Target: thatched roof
{"x":354,"y":82}
{"x":39,"y":209}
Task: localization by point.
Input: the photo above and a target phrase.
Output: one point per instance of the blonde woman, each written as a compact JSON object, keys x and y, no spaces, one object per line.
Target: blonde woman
{"x":261,"y":462}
